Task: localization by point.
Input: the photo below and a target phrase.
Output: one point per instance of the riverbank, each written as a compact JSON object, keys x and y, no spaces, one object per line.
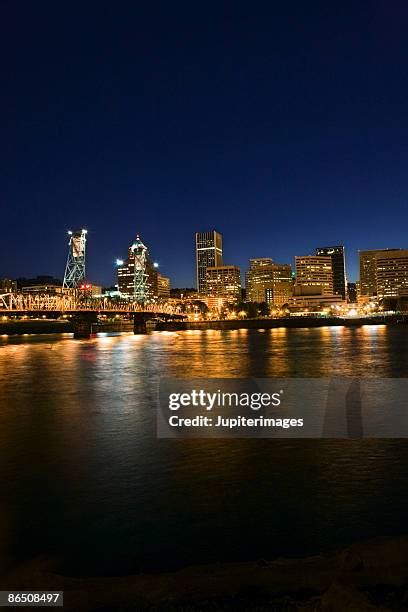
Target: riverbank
{"x":288,"y":322}
{"x":363,"y":577}
{"x":48,"y":326}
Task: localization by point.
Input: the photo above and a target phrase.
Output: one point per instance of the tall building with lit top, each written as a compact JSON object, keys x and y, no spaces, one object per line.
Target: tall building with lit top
{"x":208,"y":255}
{"x":269,"y":282}
{"x":315,"y":272}
{"x":338,"y":266}
{"x":138,"y":277}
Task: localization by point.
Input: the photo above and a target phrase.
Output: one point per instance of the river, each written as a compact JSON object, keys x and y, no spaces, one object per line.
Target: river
{"x":84,"y":478}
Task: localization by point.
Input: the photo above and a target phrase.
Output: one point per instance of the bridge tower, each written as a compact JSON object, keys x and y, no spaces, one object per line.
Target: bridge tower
{"x":75,"y":268}
{"x":140,"y":278}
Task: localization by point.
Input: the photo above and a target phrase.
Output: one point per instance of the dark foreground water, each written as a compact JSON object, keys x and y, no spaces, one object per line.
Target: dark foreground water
{"x":83,"y":477}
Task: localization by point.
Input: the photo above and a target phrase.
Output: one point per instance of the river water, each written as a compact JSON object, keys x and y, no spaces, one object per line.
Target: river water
{"x":84,"y":479}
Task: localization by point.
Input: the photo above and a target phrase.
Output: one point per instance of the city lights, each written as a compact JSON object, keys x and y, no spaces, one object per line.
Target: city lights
{"x":317,"y":288}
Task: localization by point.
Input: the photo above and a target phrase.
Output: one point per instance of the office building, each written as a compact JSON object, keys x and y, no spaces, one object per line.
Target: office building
{"x":269,"y":282}
{"x":316,"y":272}
{"x":392,"y":273}
{"x":338,"y":267}
{"x":224,"y":282}
{"x":208,"y":255}
{"x":163,"y":286}
{"x":138,"y":277}
{"x":368,"y":270}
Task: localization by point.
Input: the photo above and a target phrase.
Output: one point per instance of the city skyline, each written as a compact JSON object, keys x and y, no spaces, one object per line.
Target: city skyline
{"x":193,"y":280}
{"x":285,"y":133}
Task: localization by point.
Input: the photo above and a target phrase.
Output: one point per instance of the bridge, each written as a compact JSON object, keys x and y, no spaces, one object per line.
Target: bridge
{"x":84,"y":311}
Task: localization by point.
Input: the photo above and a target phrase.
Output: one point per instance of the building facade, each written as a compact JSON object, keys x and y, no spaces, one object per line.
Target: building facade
{"x":163,"y":286}
{"x":314,"y":303}
{"x":208,"y":255}
{"x":138,"y":277}
{"x":269,"y":282}
{"x":368,"y":270}
{"x":337,"y":255}
{"x":316,"y":272}
{"x":392,"y":273}
{"x":224,"y":282}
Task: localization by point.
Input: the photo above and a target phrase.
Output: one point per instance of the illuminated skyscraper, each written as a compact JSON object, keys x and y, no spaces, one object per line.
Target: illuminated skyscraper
{"x":338,"y":266}
{"x":208,"y":254}
{"x":138,"y":277}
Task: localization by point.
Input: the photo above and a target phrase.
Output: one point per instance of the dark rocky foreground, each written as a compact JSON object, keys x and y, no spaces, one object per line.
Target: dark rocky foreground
{"x":367,"y":576}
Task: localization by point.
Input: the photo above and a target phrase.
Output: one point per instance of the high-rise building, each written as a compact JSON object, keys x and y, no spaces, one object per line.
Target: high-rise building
{"x":224,"y":282}
{"x":269,"y":282}
{"x":315,"y":272}
{"x":392,"y":273}
{"x":138,"y":277}
{"x":338,"y":266}
{"x":208,"y":255}
{"x":368,"y":272}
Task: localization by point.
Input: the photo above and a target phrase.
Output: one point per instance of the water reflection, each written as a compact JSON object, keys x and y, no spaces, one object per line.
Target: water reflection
{"x":83,"y":474}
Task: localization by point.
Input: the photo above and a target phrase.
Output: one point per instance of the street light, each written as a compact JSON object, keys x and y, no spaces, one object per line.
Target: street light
{"x":119,"y":262}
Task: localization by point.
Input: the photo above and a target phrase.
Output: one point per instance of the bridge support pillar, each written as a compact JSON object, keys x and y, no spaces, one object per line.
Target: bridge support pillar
{"x":82,"y":325}
{"x":139,"y":325}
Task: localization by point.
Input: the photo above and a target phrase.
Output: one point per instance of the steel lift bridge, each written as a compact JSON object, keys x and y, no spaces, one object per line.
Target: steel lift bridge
{"x":75,"y":268}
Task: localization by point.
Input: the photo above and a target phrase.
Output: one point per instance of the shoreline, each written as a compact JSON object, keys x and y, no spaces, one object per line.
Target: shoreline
{"x":49,"y":326}
{"x":284,"y":322}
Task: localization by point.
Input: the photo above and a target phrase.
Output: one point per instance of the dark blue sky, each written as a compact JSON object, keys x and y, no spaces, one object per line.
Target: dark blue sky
{"x":282,"y":125}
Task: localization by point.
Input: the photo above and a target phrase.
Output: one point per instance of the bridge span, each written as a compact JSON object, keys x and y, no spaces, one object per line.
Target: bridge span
{"x":84,"y":312}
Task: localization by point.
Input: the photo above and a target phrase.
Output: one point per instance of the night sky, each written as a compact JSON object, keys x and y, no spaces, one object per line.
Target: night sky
{"x":282,"y":125}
